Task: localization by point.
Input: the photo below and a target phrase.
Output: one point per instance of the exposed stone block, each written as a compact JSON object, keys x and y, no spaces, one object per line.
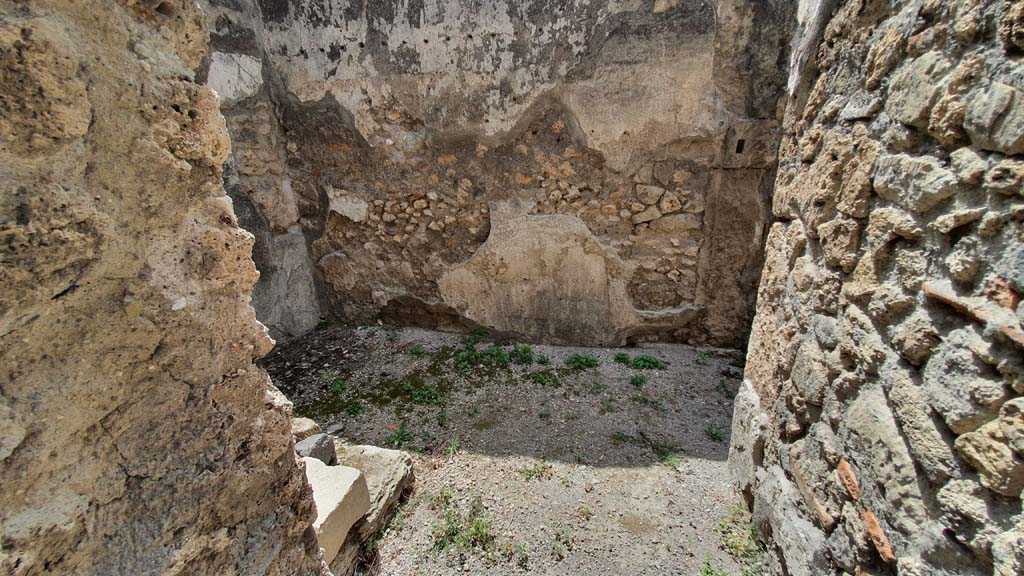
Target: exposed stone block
{"x":341,"y":498}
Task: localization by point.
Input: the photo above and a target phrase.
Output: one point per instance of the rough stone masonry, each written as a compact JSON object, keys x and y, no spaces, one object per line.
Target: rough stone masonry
{"x":583,"y":172}
{"x":880,"y":429}
{"x":137,"y":436}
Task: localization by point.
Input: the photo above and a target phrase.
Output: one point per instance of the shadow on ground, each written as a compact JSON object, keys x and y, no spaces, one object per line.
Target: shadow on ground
{"x":420,"y":390}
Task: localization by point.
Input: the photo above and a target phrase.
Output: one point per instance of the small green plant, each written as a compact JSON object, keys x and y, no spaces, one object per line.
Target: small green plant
{"x":638,"y":380}
{"x":419,"y":352}
{"x":474,"y":409}
{"x":354,"y":408}
{"x":584,"y":513}
{"x":464,"y":532}
{"x":521,"y":557}
{"x":454,"y":446}
{"x":495,"y":356}
{"x":442,"y":417}
{"x":399,"y":437}
{"x":709,"y":570}
{"x":622,"y":358}
{"x":544,"y":414}
{"x":543,"y":359}
{"x":645,"y":362}
{"x":539,"y":471}
{"x":561,"y":543}
{"x":545,"y":378}
{"x":443,"y":498}
{"x":582,"y":361}
{"x":738,"y":536}
{"x":422,"y":393}
{"x":607,"y":407}
{"x":522,"y":354}
{"x":703,"y":358}
{"x":334,"y":380}
{"x":598,"y":388}
{"x":714,"y":433}
{"x":666,"y":454}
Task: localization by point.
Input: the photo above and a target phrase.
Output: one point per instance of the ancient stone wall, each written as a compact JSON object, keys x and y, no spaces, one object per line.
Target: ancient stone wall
{"x":589,"y":172}
{"x":879,"y":429}
{"x":136,"y":434}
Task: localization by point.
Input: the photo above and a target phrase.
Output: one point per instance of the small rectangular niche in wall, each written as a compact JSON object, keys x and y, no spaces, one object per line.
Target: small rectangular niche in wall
{"x":740,"y":144}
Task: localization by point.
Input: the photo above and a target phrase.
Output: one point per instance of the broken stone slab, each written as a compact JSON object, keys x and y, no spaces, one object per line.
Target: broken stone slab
{"x":341,"y":499}
{"x":319,"y":446}
{"x":303,"y":428}
{"x":388,"y":475}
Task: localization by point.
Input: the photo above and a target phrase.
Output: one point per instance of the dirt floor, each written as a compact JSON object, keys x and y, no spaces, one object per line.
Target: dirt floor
{"x":531,"y":459}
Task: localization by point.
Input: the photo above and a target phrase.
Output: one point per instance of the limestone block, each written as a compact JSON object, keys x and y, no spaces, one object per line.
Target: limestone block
{"x":649,"y":195}
{"x":234,"y":76}
{"x":1006,"y":177}
{"x":319,"y":446}
{"x":388,"y":475}
{"x":915,"y":183}
{"x":989,"y":452}
{"x":351,"y":207}
{"x":1011,"y":424}
{"x":669,"y":203}
{"x":651,"y":213}
{"x":972,"y":514}
{"x":749,"y":429}
{"x":776,"y":503}
{"x":341,"y":498}
{"x":303,"y":428}
{"x":915,"y":88}
{"x":959,"y":386}
{"x":995,"y":119}
{"x":968,"y":166}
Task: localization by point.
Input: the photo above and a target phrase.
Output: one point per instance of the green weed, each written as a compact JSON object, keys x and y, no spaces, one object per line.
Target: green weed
{"x":545,"y":378}
{"x":399,"y":437}
{"x":638,"y":380}
{"x":354,"y":408}
{"x":714,"y":433}
{"x":539,"y":471}
{"x":582,"y":361}
{"x":419,"y":352}
{"x":543,"y":359}
{"x":522,"y":354}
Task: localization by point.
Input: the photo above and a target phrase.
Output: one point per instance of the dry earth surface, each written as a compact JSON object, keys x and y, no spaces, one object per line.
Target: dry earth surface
{"x":526,"y":466}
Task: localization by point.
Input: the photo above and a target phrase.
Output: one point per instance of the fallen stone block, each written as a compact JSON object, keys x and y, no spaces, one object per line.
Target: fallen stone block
{"x":319,"y":446}
{"x":341,"y":499}
{"x":303,"y":428}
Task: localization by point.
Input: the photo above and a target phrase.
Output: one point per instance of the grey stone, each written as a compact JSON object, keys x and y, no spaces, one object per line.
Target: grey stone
{"x":915,"y":183}
{"x":915,"y":88}
{"x":995,"y":119}
{"x":319,"y":446}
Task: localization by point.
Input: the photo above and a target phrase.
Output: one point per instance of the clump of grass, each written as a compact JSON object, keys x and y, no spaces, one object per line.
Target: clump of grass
{"x":544,"y":414}
{"x":738,"y":535}
{"x":598,"y":388}
{"x":709,"y":570}
{"x":334,"y":381}
{"x":471,"y":531}
{"x":522,"y":354}
{"x":399,"y":437}
{"x":454,"y":446}
{"x":714,"y":433}
{"x":646,"y":362}
{"x":539,"y":471}
{"x":545,"y":378}
{"x":543,"y":359}
{"x":422,"y":393}
{"x":607,"y":407}
{"x":354,"y":408}
{"x":638,"y":380}
{"x":703,"y":358}
{"x":561,"y":543}
{"x":584,"y":513}
{"x":442,"y":417}
{"x":419,"y":352}
{"x":443,"y":498}
{"x":582,"y":361}
{"x":622,"y":358}
{"x":667,"y":455}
